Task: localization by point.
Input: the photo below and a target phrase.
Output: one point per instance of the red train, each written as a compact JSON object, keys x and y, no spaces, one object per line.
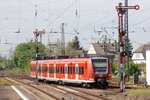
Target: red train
{"x":84,"y":71}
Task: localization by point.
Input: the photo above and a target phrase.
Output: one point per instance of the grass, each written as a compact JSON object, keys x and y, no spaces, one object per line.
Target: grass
{"x":6,"y":83}
{"x":139,"y":91}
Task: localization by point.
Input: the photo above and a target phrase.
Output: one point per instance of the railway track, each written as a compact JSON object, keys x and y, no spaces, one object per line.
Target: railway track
{"x":26,"y":83}
{"x":81,"y":93}
{"x":71,"y":93}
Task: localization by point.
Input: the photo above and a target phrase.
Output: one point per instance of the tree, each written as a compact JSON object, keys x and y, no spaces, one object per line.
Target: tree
{"x":76,"y":43}
{"x":114,"y":68}
{"x":133,"y":68}
{"x":73,"y":45}
{"x":24,"y":52}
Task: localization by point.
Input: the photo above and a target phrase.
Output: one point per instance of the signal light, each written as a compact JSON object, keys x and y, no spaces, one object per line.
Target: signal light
{"x":122,"y":44}
{"x":123,"y":53}
{"x":130,"y":54}
{"x":123,"y":11}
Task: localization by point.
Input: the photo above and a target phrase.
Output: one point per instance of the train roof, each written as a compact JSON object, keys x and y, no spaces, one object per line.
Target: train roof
{"x":68,"y":60}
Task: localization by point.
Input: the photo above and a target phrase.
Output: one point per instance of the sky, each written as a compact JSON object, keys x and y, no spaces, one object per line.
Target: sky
{"x":85,"y":17}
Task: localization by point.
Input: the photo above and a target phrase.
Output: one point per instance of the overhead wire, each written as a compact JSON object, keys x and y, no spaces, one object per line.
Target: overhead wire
{"x":65,"y":10}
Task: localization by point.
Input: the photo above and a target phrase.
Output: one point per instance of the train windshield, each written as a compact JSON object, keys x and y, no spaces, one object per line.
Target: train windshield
{"x":99,"y":65}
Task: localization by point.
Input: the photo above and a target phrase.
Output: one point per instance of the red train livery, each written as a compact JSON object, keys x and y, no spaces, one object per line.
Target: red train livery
{"x":84,"y":71}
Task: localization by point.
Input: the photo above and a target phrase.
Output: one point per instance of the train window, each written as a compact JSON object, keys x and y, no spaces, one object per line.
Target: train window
{"x":43,"y":69}
{"x":39,"y":69}
{"x":61,"y":70}
{"x":69,"y":70}
{"x":51,"y":70}
{"x":81,"y":70}
{"x":73,"y":70}
{"x":46,"y":69}
{"x":57,"y":69}
{"x":100,"y":65}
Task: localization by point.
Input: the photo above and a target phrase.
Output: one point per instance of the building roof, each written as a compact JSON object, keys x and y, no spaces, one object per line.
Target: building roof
{"x":142,"y":49}
{"x":103,"y":49}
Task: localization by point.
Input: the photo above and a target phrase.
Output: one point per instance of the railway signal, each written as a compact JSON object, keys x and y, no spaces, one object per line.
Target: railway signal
{"x":37,"y":34}
{"x":121,"y":11}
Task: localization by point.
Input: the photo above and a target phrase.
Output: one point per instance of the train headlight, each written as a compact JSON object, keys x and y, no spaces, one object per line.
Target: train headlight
{"x":91,"y":74}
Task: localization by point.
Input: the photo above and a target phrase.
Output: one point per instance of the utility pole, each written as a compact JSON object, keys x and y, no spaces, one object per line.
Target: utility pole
{"x":37,"y":33}
{"x":105,"y":45}
{"x":121,"y":10}
{"x":62,"y":40}
{"x":127,"y":38}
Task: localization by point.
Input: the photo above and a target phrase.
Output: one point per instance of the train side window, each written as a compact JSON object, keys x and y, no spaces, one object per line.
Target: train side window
{"x":51,"y":69}
{"x":46,"y":69}
{"x":73,"y":70}
{"x":39,"y":69}
{"x":43,"y":69}
{"x":81,"y":70}
{"x":57,"y":69}
{"x":69,"y":70}
{"x":61,"y":70}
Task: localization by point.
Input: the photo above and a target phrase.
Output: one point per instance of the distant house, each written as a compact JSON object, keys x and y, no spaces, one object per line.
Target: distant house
{"x":139,"y":55}
{"x":103,"y":50}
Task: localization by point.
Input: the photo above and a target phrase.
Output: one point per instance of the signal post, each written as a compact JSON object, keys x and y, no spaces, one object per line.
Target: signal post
{"x":121,"y":10}
{"x":37,"y":34}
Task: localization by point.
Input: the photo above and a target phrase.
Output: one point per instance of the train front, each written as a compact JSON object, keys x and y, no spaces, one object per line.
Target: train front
{"x":102,"y":72}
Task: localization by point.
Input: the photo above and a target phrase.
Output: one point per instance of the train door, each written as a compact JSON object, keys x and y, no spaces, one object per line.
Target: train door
{"x":76,"y":71}
{"x":82,"y":71}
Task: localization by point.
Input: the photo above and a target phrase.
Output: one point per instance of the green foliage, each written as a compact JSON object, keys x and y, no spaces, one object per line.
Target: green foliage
{"x":76,"y":43}
{"x":73,"y":45}
{"x":6,"y":83}
{"x":114,"y":68}
{"x":4,"y":63}
{"x":139,"y":91}
{"x":133,"y":68}
{"x":23,"y":53}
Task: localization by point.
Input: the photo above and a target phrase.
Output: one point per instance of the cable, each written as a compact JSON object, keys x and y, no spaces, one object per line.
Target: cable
{"x":141,"y":21}
{"x":61,"y":13}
